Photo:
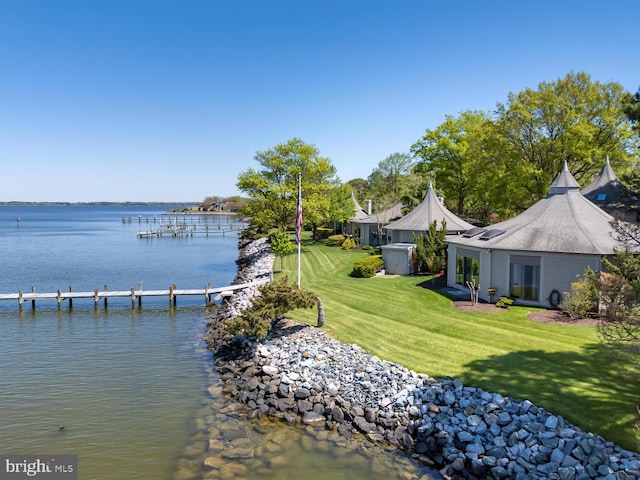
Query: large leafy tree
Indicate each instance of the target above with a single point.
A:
(273, 189)
(572, 119)
(392, 177)
(456, 152)
(632, 110)
(394, 180)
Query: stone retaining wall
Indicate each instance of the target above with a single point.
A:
(302, 375)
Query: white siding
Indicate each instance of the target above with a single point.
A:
(397, 259)
(485, 275)
(500, 273)
(451, 264)
(558, 271)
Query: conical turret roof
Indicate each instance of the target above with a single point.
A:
(359, 213)
(607, 190)
(428, 211)
(564, 222)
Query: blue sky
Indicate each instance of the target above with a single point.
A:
(169, 100)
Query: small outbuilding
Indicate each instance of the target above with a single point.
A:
(535, 256)
(398, 258)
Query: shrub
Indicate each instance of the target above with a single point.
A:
(336, 240)
(275, 300)
(504, 302)
(367, 267)
(349, 243)
(582, 300)
(323, 232)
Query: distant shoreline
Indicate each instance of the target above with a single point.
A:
(14, 203)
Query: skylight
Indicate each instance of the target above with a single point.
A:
(492, 232)
(601, 197)
(472, 232)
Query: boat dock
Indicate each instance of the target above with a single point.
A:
(187, 225)
(210, 294)
(180, 230)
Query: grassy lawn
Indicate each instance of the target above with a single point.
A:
(559, 367)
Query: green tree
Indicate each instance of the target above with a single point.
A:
(573, 119)
(632, 109)
(456, 153)
(273, 190)
(360, 189)
(431, 248)
(276, 299)
(281, 244)
(392, 176)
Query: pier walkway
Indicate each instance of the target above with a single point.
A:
(178, 225)
(210, 294)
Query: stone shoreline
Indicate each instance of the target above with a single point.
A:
(300, 374)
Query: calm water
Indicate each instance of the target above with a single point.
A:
(134, 388)
(124, 382)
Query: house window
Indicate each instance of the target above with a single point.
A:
(467, 270)
(524, 280)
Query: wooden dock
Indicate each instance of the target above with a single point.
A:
(179, 230)
(210, 294)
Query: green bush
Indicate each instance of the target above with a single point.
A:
(367, 267)
(504, 302)
(336, 240)
(276, 299)
(348, 244)
(582, 300)
(323, 232)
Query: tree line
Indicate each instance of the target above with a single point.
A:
(488, 166)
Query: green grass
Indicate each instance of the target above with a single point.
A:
(561, 368)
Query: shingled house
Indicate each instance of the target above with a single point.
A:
(366, 227)
(418, 220)
(535, 256)
(399, 249)
(611, 195)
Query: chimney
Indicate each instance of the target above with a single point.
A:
(367, 207)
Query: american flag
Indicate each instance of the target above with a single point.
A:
(299, 216)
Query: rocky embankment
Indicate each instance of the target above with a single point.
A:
(301, 375)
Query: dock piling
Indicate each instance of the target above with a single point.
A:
(210, 294)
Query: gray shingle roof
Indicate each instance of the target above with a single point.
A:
(382, 217)
(607, 191)
(429, 210)
(564, 221)
(359, 213)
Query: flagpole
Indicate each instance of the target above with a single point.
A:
(299, 223)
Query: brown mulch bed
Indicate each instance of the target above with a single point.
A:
(479, 307)
(558, 317)
(555, 317)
